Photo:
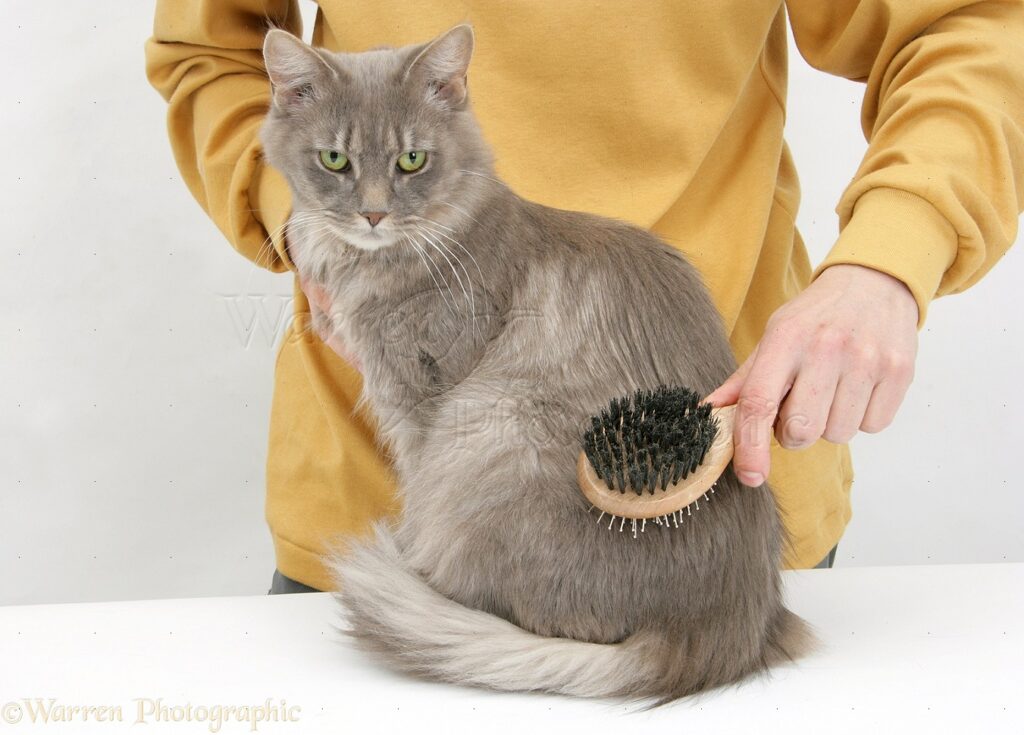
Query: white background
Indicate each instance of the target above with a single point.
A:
(136, 347)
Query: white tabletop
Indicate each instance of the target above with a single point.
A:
(907, 649)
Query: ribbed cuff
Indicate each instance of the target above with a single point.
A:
(898, 233)
(274, 200)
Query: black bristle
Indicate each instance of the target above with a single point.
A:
(650, 440)
(677, 471)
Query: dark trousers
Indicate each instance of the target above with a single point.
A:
(282, 585)
(827, 562)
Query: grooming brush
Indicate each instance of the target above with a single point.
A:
(653, 456)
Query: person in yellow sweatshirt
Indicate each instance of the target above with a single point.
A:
(668, 114)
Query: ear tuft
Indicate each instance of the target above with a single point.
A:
(441, 67)
(295, 69)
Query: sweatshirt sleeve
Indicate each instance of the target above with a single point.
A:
(936, 199)
(205, 58)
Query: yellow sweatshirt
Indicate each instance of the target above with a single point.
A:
(666, 113)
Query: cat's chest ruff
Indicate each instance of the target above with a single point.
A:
(411, 352)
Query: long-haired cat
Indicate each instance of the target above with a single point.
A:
(489, 329)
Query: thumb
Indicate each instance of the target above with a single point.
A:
(729, 392)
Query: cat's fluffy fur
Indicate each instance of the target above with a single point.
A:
(489, 329)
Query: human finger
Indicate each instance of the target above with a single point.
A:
(805, 409)
(848, 407)
(728, 392)
(757, 406)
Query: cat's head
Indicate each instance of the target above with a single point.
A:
(376, 144)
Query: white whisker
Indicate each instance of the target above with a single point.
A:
(471, 296)
(455, 272)
(423, 256)
(267, 246)
(482, 176)
(460, 245)
(461, 211)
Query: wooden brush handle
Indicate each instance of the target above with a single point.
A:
(674, 497)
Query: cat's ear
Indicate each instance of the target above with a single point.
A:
(440, 68)
(296, 70)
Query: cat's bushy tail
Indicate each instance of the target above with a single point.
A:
(394, 613)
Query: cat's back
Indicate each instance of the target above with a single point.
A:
(596, 239)
(607, 289)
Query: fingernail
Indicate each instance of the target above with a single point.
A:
(753, 479)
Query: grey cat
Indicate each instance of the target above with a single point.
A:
(489, 329)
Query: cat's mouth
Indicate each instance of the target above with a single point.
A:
(365, 239)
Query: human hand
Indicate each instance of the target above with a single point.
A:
(836, 358)
(321, 312)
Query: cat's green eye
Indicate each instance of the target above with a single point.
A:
(334, 160)
(412, 161)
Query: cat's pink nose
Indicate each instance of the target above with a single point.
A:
(374, 217)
